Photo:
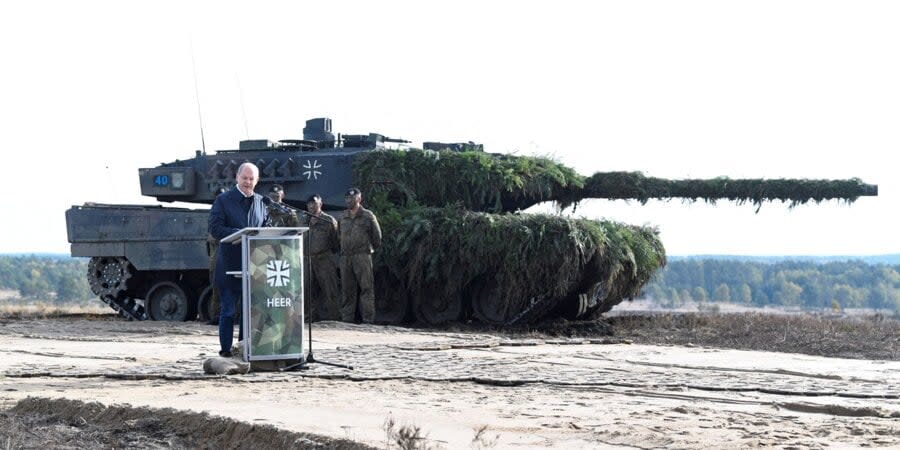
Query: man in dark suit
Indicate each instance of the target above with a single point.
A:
(233, 210)
(213, 246)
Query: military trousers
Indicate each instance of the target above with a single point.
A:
(356, 275)
(327, 305)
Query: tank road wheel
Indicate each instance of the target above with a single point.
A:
(167, 301)
(391, 301)
(490, 310)
(487, 306)
(390, 309)
(108, 276)
(490, 306)
(434, 307)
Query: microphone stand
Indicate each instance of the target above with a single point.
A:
(303, 364)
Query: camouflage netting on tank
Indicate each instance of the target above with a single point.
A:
(509, 268)
(492, 182)
(477, 180)
(637, 186)
(446, 261)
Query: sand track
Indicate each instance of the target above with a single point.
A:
(567, 393)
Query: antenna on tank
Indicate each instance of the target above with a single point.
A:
(243, 111)
(197, 95)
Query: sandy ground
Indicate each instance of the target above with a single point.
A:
(564, 393)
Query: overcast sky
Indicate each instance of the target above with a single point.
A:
(91, 91)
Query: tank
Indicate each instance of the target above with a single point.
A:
(456, 243)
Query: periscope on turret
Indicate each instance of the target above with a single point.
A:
(455, 245)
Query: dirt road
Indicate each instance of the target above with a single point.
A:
(565, 393)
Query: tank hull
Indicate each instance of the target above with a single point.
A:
(146, 261)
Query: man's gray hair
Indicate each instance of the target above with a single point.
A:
(251, 166)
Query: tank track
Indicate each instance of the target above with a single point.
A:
(108, 278)
(126, 307)
(585, 304)
(537, 310)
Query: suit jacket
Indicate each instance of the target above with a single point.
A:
(228, 215)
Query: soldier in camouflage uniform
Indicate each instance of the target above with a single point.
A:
(278, 216)
(360, 236)
(320, 249)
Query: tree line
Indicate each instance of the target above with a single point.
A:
(830, 285)
(46, 277)
(834, 285)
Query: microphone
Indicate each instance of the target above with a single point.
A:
(284, 209)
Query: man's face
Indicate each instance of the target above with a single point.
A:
(314, 207)
(353, 200)
(247, 179)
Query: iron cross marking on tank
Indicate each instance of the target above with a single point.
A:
(311, 172)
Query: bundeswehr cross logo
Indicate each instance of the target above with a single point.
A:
(278, 273)
(312, 171)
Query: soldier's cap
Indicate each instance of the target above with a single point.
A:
(276, 188)
(352, 192)
(314, 198)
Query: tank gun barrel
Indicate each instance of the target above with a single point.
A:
(637, 186)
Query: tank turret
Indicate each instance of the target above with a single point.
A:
(318, 164)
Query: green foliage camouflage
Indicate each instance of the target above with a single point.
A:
(497, 183)
(476, 180)
(509, 268)
(446, 260)
(637, 186)
(454, 248)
